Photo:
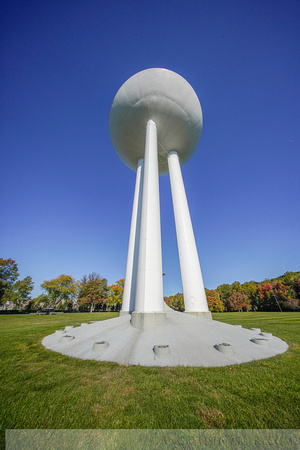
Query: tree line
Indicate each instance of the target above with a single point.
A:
(92, 293)
(277, 294)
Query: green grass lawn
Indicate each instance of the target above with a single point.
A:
(43, 389)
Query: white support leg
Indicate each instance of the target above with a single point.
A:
(192, 283)
(148, 311)
(133, 246)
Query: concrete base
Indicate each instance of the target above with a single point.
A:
(204, 314)
(147, 321)
(183, 340)
(123, 313)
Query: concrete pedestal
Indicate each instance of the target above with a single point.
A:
(147, 321)
(204, 314)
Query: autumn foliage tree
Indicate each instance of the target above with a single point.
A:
(250, 290)
(277, 296)
(296, 288)
(93, 291)
(175, 302)
(238, 302)
(167, 301)
(178, 302)
(214, 301)
(267, 299)
(115, 294)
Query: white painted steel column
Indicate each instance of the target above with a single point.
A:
(133, 246)
(149, 286)
(192, 282)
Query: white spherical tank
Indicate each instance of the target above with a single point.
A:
(170, 101)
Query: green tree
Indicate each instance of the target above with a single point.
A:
(93, 291)
(250, 289)
(8, 276)
(61, 291)
(176, 302)
(225, 292)
(235, 287)
(21, 292)
(115, 294)
(289, 278)
(41, 301)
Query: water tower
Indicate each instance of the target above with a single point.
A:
(155, 125)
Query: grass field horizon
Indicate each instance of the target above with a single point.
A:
(46, 390)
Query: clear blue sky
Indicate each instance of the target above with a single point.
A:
(66, 198)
